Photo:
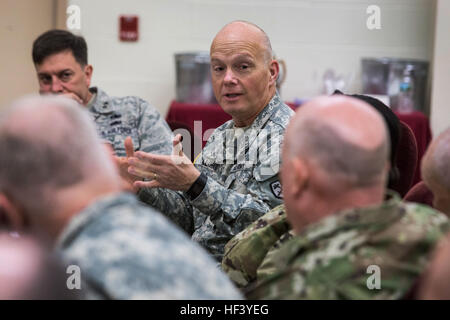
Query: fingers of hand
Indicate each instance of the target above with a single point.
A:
(180, 159)
(142, 165)
(177, 150)
(177, 145)
(154, 159)
(74, 97)
(177, 139)
(147, 184)
(146, 174)
(129, 148)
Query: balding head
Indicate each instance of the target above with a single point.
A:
(436, 171)
(48, 145)
(343, 136)
(336, 151)
(243, 71)
(238, 33)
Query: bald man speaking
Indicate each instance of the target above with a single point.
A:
(235, 179)
(349, 243)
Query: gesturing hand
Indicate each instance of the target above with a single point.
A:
(122, 164)
(73, 96)
(174, 172)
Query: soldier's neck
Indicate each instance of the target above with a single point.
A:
(71, 201)
(320, 206)
(89, 99)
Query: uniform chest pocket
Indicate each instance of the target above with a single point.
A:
(238, 178)
(114, 127)
(119, 141)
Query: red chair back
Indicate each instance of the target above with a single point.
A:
(406, 160)
(420, 194)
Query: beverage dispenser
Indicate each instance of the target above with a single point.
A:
(404, 81)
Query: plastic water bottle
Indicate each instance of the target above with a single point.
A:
(406, 94)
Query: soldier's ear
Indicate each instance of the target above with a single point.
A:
(301, 176)
(274, 69)
(88, 69)
(10, 215)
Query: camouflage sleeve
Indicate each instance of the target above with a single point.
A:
(384, 263)
(155, 259)
(337, 281)
(170, 203)
(300, 274)
(245, 196)
(246, 251)
(154, 133)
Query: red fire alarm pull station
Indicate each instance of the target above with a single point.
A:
(128, 28)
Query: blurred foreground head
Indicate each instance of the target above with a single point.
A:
(335, 157)
(52, 163)
(29, 271)
(434, 284)
(394, 130)
(436, 171)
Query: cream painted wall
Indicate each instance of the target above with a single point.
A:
(310, 35)
(21, 21)
(440, 96)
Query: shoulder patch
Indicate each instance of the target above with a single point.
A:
(276, 189)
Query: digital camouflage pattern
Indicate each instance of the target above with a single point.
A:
(242, 167)
(116, 118)
(330, 259)
(245, 253)
(126, 250)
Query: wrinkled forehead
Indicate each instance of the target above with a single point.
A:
(234, 49)
(238, 39)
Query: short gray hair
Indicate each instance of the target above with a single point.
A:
(46, 143)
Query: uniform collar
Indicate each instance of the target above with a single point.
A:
(259, 123)
(348, 219)
(385, 213)
(101, 103)
(98, 207)
(267, 112)
(223, 138)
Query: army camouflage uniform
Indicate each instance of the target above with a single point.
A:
(245, 253)
(116, 118)
(126, 250)
(337, 257)
(238, 189)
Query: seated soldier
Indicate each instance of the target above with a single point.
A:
(436, 175)
(245, 253)
(234, 181)
(334, 173)
(61, 62)
(58, 178)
